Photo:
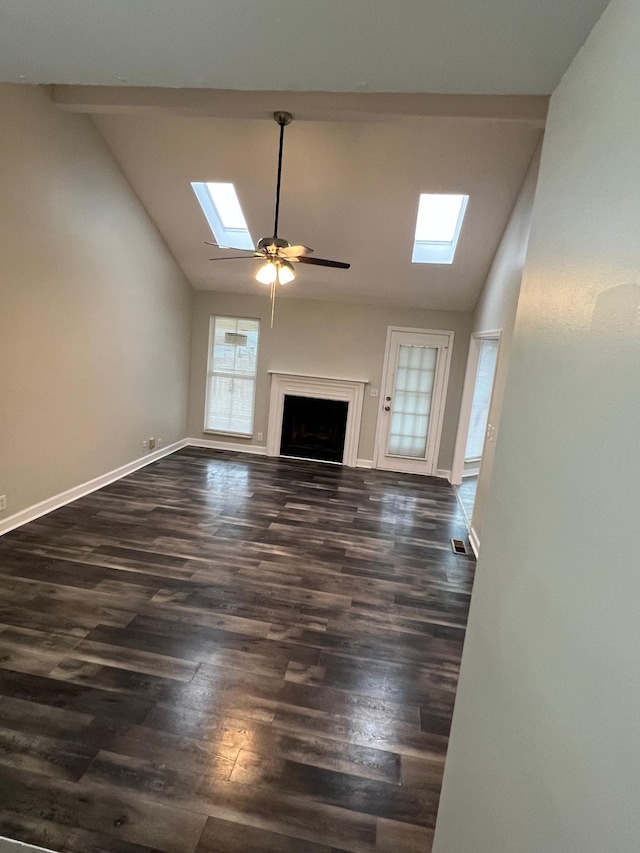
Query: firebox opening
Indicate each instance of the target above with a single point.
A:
(313, 428)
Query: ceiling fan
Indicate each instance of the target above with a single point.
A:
(277, 254)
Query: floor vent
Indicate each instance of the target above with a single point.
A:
(459, 546)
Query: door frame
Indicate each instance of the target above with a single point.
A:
(466, 404)
(380, 431)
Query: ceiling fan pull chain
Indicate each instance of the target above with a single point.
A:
(273, 299)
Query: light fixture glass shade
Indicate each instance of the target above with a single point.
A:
(272, 271)
(286, 273)
(267, 273)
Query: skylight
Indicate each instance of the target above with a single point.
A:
(438, 228)
(222, 210)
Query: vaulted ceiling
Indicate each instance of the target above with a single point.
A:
(355, 163)
(350, 191)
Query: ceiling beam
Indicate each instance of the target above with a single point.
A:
(305, 106)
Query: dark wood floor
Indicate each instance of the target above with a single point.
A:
(226, 654)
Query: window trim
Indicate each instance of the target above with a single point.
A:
(210, 372)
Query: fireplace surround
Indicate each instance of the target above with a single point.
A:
(350, 391)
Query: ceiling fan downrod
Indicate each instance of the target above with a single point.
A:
(283, 119)
(277, 254)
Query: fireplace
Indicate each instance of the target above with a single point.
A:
(319, 395)
(313, 428)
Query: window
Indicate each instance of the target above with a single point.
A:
(221, 207)
(438, 228)
(231, 375)
(481, 398)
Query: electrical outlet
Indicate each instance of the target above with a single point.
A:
(158, 442)
(3, 502)
(144, 444)
(152, 443)
(259, 436)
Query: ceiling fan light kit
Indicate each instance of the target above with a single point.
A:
(278, 254)
(278, 270)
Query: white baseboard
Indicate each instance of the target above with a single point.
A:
(7, 845)
(364, 463)
(443, 473)
(63, 498)
(474, 542)
(257, 449)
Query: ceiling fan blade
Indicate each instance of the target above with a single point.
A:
(323, 262)
(295, 251)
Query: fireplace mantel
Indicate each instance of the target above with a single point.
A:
(320, 388)
(316, 376)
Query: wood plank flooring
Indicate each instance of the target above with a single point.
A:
(225, 653)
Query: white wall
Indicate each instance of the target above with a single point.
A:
(338, 340)
(545, 752)
(496, 310)
(94, 312)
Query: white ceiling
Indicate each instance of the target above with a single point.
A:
(390, 99)
(449, 46)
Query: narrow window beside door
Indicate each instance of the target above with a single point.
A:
(231, 375)
(481, 399)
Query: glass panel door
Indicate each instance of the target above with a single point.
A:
(413, 392)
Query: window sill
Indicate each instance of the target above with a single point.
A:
(246, 435)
